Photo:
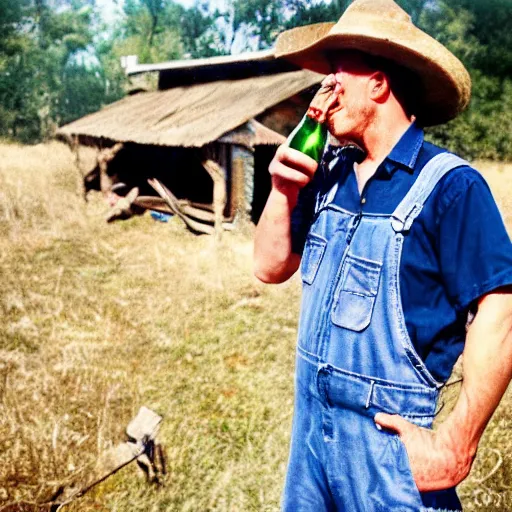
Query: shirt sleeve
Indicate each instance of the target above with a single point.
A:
(474, 247)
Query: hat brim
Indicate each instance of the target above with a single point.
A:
(446, 85)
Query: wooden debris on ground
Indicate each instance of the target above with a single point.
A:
(198, 220)
(141, 447)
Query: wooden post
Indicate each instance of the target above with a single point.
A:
(238, 202)
(74, 145)
(217, 174)
(105, 156)
(76, 151)
(243, 181)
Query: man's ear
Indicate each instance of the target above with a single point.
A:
(379, 87)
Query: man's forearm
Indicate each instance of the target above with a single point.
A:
(442, 458)
(291, 171)
(487, 371)
(274, 261)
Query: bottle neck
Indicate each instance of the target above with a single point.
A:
(309, 122)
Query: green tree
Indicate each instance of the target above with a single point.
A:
(468, 29)
(85, 89)
(11, 15)
(198, 31)
(160, 30)
(263, 18)
(50, 45)
(57, 63)
(305, 13)
(491, 22)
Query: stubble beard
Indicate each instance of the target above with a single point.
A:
(345, 133)
(351, 131)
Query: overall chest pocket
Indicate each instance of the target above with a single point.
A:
(312, 257)
(356, 293)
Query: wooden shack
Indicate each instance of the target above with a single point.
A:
(200, 133)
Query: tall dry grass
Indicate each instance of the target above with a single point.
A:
(38, 188)
(101, 319)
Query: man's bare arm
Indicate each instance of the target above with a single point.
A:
(487, 371)
(291, 170)
(274, 261)
(443, 458)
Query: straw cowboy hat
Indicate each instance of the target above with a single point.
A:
(382, 28)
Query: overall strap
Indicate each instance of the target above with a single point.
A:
(412, 204)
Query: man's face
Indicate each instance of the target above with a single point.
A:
(353, 110)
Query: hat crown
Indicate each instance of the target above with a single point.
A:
(384, 29)
(378, 8)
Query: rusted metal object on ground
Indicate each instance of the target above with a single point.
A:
(141, 447)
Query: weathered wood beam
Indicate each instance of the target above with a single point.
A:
(217, 174)
(173, 203)
(159, 204)
(141, 433)
(124, 208)
(105, 156)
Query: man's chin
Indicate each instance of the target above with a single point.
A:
(343, 138)
(336, 129)
(342, 141)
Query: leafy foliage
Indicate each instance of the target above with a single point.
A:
(467, 27)
(492, 20)
(58, 62)
(48, 43)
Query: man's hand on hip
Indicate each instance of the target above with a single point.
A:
(438, 460)
(443, 458)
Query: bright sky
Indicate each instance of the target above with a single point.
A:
(108, 9)
(111, 7)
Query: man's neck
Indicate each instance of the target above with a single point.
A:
(379, 139)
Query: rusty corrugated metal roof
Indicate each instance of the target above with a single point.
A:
(190, 116)
(201, 63)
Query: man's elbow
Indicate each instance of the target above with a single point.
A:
(495, 311)
(270, 276)
(277, 273)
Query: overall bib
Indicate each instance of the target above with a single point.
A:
(355, 359)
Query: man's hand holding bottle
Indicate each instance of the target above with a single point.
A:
(296, 161)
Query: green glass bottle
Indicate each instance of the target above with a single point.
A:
(309, 137)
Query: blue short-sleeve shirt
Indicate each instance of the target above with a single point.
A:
(457, 250)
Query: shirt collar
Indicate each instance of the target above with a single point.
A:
(405, 153)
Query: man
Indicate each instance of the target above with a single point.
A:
(398, 246)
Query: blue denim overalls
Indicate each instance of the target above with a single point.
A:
(354, 359)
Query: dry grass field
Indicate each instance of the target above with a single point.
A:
(100, 319)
